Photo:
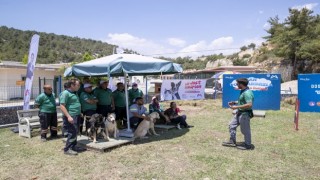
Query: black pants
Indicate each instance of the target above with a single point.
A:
(46, 120)
(121, 113)
(104, 110)
(180, 119)
(135, 120)
(86, 113)
(71, 130)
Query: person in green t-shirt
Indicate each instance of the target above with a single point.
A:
(119, 97)
(242, 117)
(104, 96)
(88, 104)
(134, 92)
(47, 112)
(71, 109)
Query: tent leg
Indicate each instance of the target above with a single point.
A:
(126, 132)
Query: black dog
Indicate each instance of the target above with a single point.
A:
(96, 126)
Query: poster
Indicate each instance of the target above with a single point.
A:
(182, 89)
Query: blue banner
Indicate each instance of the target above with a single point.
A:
(265, 87)
(309, 92)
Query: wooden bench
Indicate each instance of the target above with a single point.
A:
(29, 119)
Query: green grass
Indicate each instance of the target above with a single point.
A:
(280, 151)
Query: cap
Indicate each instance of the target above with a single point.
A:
(87, 85)
(134, 84)
(154, 97)
(103, 81)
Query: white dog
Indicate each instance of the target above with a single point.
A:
(145, 126)
(111, 126)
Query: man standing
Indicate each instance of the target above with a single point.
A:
(119, 96)
(88, 104)
(71, 109)
(105, 99)
(137, 113)
(242, 117)
(134, 92)
(48, 112)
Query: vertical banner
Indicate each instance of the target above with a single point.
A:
(30, 69)
(309, 92)
(182, 89)
(265, 87)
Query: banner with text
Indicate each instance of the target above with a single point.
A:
(30, 69)
(182, 89)
(265, 87)
(309, 92)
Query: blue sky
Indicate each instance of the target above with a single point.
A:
(167, 27)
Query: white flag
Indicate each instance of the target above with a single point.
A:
(30, 69)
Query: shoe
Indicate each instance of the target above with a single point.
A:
(229, 144)
(246, 147)
(43, 140)
(79, 149)
(189, 126)
(178, 126)
(71, 152)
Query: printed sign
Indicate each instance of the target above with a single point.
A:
(309, 92)
(32, 58)
(265, 87)
(182, 89)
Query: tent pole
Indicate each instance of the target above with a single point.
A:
(126, 132)
(127, 102)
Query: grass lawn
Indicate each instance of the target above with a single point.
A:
(280, 151)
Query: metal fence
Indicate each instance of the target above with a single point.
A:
(11, 98)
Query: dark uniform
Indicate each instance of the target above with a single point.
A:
(120, 104)
(87, 108)
(47, 114)
(104, 97)
(73, 106)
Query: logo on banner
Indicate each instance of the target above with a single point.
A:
(255, 84)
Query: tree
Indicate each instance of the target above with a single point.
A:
(296, 38)
(87, 57)
(25, 59)
(252, 46)
(243, 48)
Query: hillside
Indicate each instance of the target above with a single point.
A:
(14, 44)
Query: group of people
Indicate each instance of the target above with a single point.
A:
(74, 102)
(80, 101)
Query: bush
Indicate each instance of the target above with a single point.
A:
(246, 56)
(240, 62)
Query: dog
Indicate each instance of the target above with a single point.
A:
(145, 126)
(111, 125)
(173, 93)
(97, 126)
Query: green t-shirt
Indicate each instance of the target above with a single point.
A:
(71, 102)
(103, 95)
(46, 103)
(119, 98)
(134, 93)
(246, 96)
(84, 104)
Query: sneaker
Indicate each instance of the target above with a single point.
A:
(71, 152)
(178, 126)
(229, 144)
(246, 147)
(78, 149)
